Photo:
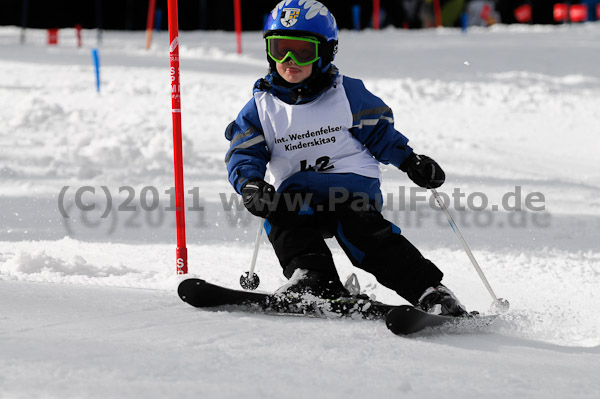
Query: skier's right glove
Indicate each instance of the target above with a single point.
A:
(423, 171)
(258, 197)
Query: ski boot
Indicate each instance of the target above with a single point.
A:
(309, 282)
(439, 300)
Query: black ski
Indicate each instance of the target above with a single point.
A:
(405, 319)
(401, 320)
(202, 294)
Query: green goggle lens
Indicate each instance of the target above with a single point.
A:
(302, 50)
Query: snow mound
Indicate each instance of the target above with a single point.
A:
(38, 265)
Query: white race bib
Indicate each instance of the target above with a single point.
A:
(313, 136)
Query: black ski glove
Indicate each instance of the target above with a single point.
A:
(424, 171)
(258, 197)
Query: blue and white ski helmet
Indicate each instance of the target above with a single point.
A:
(305, 18)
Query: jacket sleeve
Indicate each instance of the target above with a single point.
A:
(373, 124)
(248, 154)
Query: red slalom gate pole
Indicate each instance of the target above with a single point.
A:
(181, 253)
(437, 11)
(376, 14)
(150, 22)
(78, 34)
(237, 16)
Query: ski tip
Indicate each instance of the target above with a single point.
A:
(184, 287)
(406, 320)
(395, 319)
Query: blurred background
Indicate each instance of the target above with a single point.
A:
(350, 14)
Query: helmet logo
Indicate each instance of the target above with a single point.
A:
(289, 17)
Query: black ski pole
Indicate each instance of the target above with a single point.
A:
(250, 280)
(499, 304)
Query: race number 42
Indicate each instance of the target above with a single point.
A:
(321, 165)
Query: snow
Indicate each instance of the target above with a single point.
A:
(87, 303)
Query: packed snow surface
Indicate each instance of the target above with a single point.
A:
(88, 307)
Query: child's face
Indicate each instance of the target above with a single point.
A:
(293, 73)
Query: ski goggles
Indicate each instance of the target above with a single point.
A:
(303, 50)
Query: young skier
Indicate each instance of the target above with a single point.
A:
(323, 135)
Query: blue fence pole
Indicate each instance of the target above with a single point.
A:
(157, 19)
(96, 60)
(356, 16)
(464, 22)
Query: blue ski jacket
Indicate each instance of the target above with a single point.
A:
(372, 126)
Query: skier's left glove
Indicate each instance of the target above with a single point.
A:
(258, 197)
(424, 171)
